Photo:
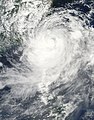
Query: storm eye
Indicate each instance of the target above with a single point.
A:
(48, 49)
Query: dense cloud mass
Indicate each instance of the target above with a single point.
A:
(46, 60)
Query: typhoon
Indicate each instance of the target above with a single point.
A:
(46, 60)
